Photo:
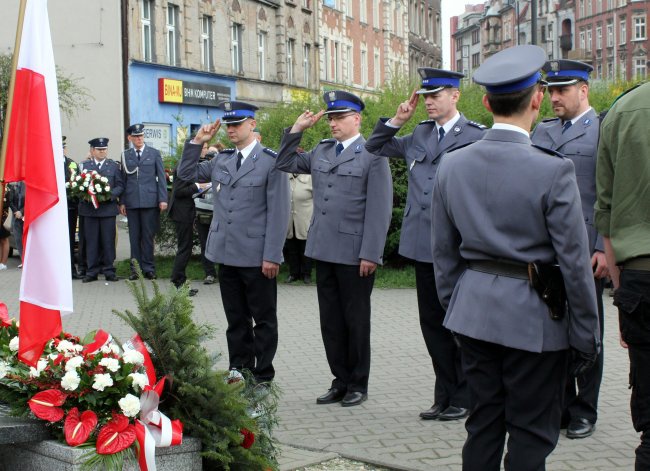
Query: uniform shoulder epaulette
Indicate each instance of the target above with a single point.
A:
(325, 141)
(550, 120)
(454, 149)
(476, 125)
(228, 151)
(427, 121)
(271, 152)
(549, 151)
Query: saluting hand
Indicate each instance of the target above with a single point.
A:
(306, 120)
(206, 132)
(405, 110)
(367, 268)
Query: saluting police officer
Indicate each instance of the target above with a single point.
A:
(144, 197)
(575, 134)
(352, 207)
(501, 204)
(99, 223)
(422, 150)
(249, 223)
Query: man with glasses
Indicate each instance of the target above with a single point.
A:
(574, 133)
(249, 223)
(352, 207)
(446, 129)
(509, 238)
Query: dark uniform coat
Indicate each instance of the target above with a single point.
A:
(111, 170)
(145, 182)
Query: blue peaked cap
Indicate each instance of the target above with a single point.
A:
(511, 70)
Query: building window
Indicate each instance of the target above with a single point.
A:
(147, 30)
(349, 72)
(542, 34)
(476, 36)
(610, 34)
(599, 37)
(640, 68)
(172, 34)
(206, 42)
(610, 4)
(236, 48)
(261, 53)
(290, 51)
(327, 58)
(582, 8)
(623, 71)
(375, 14)
(364, 68)
(459, 65)
(306, 4)
(582, 40)
(610, 70)
(459, 43)
(590, 8)
(375, 65)
(306, 65)
(363, 11)
(476, 60)
(599, 71)
(622, 35)
(639, 27)
(337, 61)
(348, 8)
(589, 39)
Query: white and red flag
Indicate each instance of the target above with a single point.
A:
(35, 155)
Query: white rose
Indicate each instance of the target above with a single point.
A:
(13, 345)
(65, 346)
(102, 381)
(77, 178)
(108, 188)
(54, 356)
(115, 349)
(36, 372)
(67, 184)
(111, 363)
(74, 185)
(139, 381)
(171, 178)
(74, 363)
(98, 189)
(133, 356)
(70, 380)
(86, 184)
(78, 347)
(106, 349)
(104, 179)
(4, 369)
(130, 405)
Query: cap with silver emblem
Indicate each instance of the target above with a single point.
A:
(339, 101)
(511, 70)
(99, 142)
(135, 130)
(434, 80)
(236, 111)
(566, 72)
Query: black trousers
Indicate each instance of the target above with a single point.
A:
(248, 296)
(203, 230)
(450, 387)
(184, 232)
(344, 304)
(99, 236)
(583, 401)
(633, 301)
(294, 254)
(72, 230)
(82, 261)
(512, 391)
(143, 225)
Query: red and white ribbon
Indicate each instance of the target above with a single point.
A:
(136, 343)
(102, 338)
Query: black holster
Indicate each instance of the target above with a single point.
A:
(547, 280)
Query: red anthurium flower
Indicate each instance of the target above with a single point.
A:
(4, 316)
(45, 405)
(249, 438)
(78, 427)
(115, 436)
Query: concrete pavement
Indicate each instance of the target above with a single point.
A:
(385, 430)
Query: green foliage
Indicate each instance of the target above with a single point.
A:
(210, 408)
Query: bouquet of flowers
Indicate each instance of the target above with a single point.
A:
(90, 186)
(92, 393)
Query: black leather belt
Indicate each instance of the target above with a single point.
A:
(504, 268)
(637, 263)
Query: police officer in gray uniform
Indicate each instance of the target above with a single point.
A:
(508, 222)
(575, 133)
(145, 195)
(251, 214)
(352, 207)
(445, 130)
(99, 223)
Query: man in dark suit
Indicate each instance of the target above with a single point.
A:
(99, 222)
(181, 211)
(353, 196)
(145, 195)
(70, 166)
(575, 133)
(422, 151)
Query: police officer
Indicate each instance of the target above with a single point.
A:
(99, 222)
(574, 133)
(445, 130)
(251, 213)
(353, 195)
(70, 167)
(145, 195)
(500, 204)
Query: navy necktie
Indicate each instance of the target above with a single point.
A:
(566, 126)
(239, 159)
(339, 148)
(441, 133)
(138, 154)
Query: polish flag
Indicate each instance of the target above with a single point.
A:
(35, 155)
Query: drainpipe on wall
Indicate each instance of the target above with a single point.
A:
(124, 20)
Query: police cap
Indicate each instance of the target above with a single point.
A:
(339, 101)
(511, 70)
(99, 142)
(566, 72)
(236, 111)
(135, 130)
(434, 80)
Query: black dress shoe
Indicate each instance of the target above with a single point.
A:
(291, 278)
(580, 428)
(133, 277)
(331, 396)
(353, 398)
(150, 275)
(112, 278)
(453, 413)
(88, 279)
(306, 279)
(433, 412)
(192, 292)
(76, 276)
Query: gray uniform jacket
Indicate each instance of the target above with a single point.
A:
(353, 198)
(146, 187)
(580, 144)
(421, 151)
(111, 170)
(251, 205)
(502, 198)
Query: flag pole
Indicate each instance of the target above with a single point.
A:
(10, 99)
